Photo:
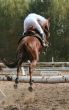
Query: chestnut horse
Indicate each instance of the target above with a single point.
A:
(29, 48)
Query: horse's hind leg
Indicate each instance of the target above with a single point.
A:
(30, 73)
(31, 66)
(18, 68)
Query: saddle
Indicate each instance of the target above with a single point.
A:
(34, 32)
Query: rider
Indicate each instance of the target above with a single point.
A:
(38, 22)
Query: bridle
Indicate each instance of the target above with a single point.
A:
(47, 34)
(47, 31)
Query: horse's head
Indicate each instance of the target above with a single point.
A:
(46, 28)
(47, 24)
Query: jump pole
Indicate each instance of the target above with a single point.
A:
(38, 79)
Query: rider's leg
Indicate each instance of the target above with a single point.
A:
(38, 27)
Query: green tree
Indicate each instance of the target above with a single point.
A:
(11, 25)
(12, 13)
(58, 11)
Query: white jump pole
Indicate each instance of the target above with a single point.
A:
(38, 79)
(23, 71)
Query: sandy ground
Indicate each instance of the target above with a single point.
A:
(43, 96)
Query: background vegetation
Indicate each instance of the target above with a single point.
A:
(12, 14)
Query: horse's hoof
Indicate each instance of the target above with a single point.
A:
(9, 78)
(31, 83)
(15, 86)
(30, 89)
(16, 81)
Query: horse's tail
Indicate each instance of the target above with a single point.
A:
(10, 65)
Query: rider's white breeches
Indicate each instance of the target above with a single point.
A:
(31, 22)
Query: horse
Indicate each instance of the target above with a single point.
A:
(29, 48)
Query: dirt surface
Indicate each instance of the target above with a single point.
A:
(43, 96)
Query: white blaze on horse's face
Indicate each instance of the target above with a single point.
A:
(47, 24)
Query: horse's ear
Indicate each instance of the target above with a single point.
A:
(49, 19)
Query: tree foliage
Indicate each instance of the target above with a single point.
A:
(11, 24)
(12, 13)
(58, 11)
